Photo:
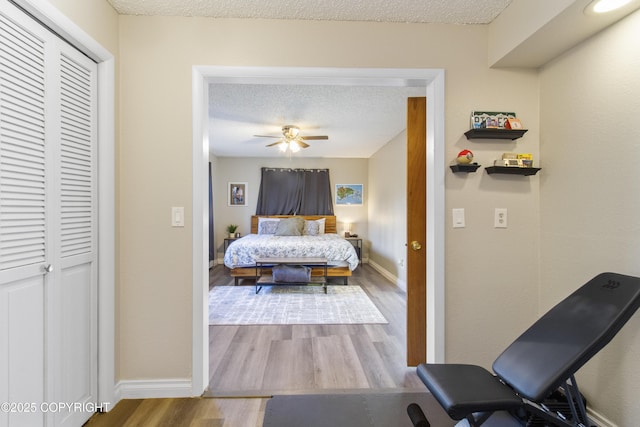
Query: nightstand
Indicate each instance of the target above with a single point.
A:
(357, 243)
(227, 242)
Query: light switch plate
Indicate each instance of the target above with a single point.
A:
(458, 218)
(177, 216)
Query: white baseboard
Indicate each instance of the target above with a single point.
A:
(149, 389)
(388, 275)
(598, 419)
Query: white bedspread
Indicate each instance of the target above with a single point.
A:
(244, 251)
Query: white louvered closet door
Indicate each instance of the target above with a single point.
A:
(48, 223)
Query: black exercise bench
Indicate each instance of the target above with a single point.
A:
(542, 360)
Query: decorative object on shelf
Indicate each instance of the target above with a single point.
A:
(513, 123)
(349, 194)
(495, 125)
(464, 157)
(490, 119)
(472, 167)
(231, 229)
(514, 160)
(237, 193)
(464, 162)
(514, 164)
(525, 160)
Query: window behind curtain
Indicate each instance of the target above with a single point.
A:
(295, 192)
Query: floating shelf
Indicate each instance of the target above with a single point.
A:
(465, 168)
(511, 170)
(484, 133)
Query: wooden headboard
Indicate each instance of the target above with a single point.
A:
(329, 225)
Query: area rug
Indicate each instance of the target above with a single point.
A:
(286, 305)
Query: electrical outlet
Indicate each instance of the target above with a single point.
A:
(500, 218)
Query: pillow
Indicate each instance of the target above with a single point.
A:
(290, 227)
(321, 225)
(262, 219)
(268, 227)
(311, 228)
(291, 273)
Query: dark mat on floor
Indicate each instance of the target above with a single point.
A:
(351, 410)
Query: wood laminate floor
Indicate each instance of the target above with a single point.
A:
(285, 359)
(248, 364)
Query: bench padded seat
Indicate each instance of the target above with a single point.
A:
(462, 389)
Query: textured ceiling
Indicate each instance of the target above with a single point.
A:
(358, 120)
(433, 11)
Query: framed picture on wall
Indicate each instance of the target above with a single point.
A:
(237, 193)
(349, 194)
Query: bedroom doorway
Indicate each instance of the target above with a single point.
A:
(433, 81)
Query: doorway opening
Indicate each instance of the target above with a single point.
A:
(432, 79)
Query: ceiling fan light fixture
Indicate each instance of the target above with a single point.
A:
(289, 146)
(291, 141)
(290, 132)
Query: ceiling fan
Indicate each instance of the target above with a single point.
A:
(291, 139)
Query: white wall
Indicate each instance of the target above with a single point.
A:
(341, 171)
(590, 195)
(388, 209)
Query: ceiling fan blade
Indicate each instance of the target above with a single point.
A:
(301, 143)
(274, 144)
(267, 136)
(314, 137)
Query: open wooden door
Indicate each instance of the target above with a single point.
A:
(416, 231)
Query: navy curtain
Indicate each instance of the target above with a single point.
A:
(316, 193)
(294, 192)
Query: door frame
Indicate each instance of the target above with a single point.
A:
(432, 79)
(74, 35)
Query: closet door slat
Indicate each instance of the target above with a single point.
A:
(77, 158)
(22, 136)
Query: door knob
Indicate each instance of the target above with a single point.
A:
(415, 245)
(48, 268)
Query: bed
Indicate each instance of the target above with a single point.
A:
(319, 239)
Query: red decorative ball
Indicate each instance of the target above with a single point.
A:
(465, 157)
